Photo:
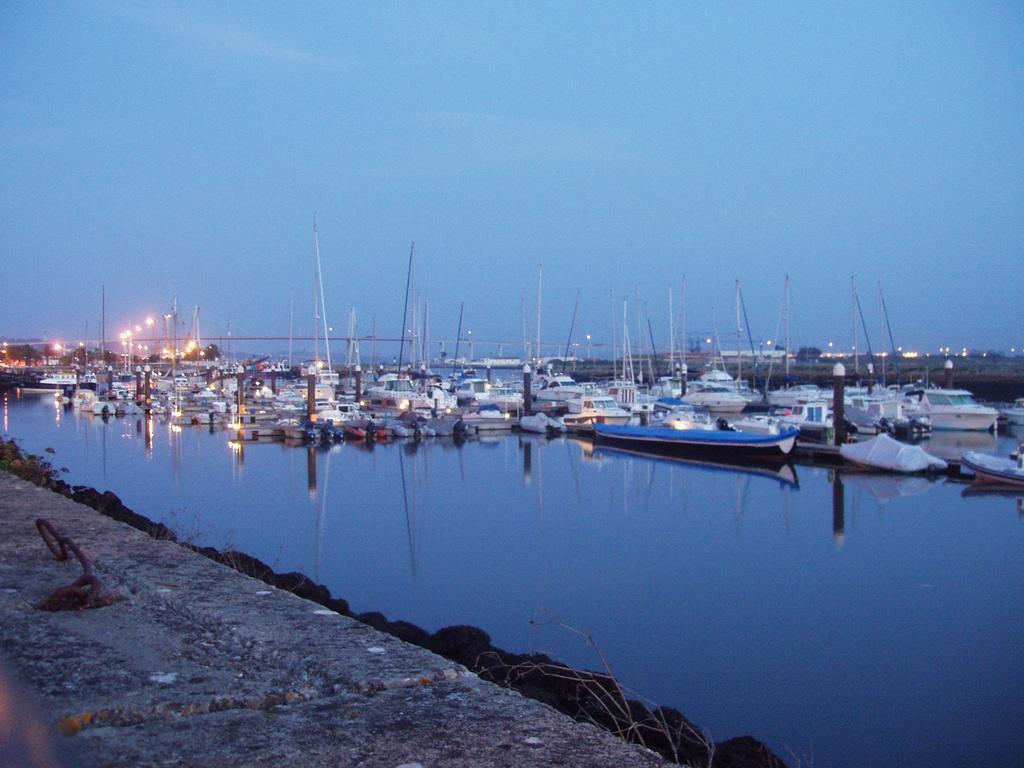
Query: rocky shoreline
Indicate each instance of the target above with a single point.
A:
(586, 696)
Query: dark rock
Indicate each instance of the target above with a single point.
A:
(461, 643)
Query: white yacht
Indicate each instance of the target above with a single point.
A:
(951, 409)
(716, 398)
(588, 410)
(1015, 413)
(788, 397)
(556, 388)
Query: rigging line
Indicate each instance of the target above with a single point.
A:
(405, 308)
(892, 341)
(864, 325)
(572, 327)
(750, 338)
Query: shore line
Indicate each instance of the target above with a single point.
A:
(588, 697)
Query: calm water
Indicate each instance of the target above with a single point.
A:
(877, 623)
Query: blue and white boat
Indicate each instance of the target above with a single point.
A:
(995, 470)
(699, 441)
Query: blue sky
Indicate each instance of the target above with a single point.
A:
(162, 149)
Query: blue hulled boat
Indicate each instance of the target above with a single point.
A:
(717, 442)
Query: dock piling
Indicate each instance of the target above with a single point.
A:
(838, 411)
(527, 399)
(948, 369)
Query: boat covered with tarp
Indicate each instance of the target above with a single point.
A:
(883, 452)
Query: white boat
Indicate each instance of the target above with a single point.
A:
(790, 396)
(556, 388)
(951, 409)
(1015, 413)
(587, 410)
(758, 424)
(716, 398)
(60, 381)
(489, 418)
(883, 452)
(506, 397)
(392, 391)
(812, 417)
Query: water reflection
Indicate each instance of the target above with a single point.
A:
(706, 589)
(784, 473)
(838, 509)
(884, 488)
(952, 444)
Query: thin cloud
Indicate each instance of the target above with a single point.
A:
(217, 35)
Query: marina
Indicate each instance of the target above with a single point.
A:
(597, 536)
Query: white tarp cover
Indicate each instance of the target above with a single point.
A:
(885, 453)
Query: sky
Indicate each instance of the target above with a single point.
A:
(153, 150)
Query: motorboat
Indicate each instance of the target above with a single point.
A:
(758, 424)
(556, 388)
(62, 381)
(701, 441)
(506, 397)
(472, 391)
(995, 470)
(790, 396)
(587, 410)
(1015, 413)
(812, 417)
(716, 398)
(953, 409)
(488, 418)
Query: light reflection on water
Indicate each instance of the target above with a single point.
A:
(864, 619)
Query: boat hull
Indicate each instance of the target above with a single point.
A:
(990, 470)
(698, 441)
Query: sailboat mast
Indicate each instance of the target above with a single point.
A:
(682, 341)
(853, 322)
(785, 309)
(103, 325)
(323, 304)
(540, 280)
(316, 300)
(291, 323)
(739, 356)
(671, 333)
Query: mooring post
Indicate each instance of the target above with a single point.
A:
(138, 384)
(838, 393)
(210, 375)
(490, 376)
(527, 401)
(682, 378)
(311, 394)
(871, 378)
(948, 366)
(146, 387)
(240, 383)
(359, 384)
(110, 382)
(273, 382)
